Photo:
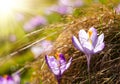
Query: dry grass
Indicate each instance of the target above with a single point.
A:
(105, 66)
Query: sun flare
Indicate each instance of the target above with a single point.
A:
(8, 10)
(9, 6)
(6, 6)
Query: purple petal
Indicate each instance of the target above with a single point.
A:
(38, 20)
(62, 58)
(69, 62)
(53, 64)
(83, 37)
(34, 22)
(46, 45)
(78, 3)
(93, 36)
(77, 44)
(16, 78)
(51, 9)
(99, 47)
(71, 3)
(19, 17)
(65, 66)
(10, 80)
(28, 27)
(100, 39)
(37, 51)
(12, 38)
(62, 63)
(65, 2)
(88, 48)
(61, 9)
(117, 9)
(1, 80)
(62, 68)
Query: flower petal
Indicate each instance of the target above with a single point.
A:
(16, 78)
(62, 63)
(88, 48)
(62, 68)
(10, 80)
(53, 64)
(77, 44)
(99, 47)
(100, 40)
(65, 66)
(1, 80)
(83, 36)
(69, 62)
(62, 59)
(92, 32)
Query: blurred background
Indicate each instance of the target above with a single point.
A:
(29, 28)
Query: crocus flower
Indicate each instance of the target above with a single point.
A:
(71, 3)
(117, 9)
(61, 9)
(89, 43)
(57, 65)
(34, 22)
(44, 46)
(15, 79)
(19, 17)
(12, 38)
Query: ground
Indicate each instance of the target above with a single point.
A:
(105, 66)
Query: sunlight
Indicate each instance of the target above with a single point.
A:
(8, 10)
(8, 6)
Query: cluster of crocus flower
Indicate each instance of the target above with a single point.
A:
(64, 6)
(57, 64)
(89, 43)
(34, 22)
(44, 46)
(14, 79)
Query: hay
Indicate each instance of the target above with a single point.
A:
(105, 66)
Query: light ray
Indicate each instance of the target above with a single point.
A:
(8, 9)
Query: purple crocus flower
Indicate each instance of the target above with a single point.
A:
(58, 64)
(89, 43)
(15, 79)
(19, 17)
(61, 9)
(44, 46)
(12, 38)
(71, 3)
(117, 9)
(34, 22)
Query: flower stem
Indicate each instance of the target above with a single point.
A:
(89, 77)
(88, 64)
(58, 81)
